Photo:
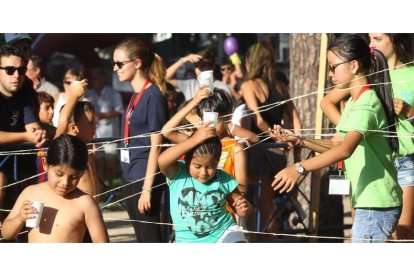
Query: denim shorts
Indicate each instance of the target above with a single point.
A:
(405, 168)
(374, 224)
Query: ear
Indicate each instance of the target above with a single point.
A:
(44, 163)
(73, 129)
(138, 63)
(355, 67)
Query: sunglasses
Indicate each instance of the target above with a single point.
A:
(120, 64)
(11, 69)
(333, 67)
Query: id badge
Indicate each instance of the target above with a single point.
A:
(223, 159)
(339, 185)
(125, 156)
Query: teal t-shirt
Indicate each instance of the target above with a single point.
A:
(403, 88)
(198, 210)
(370, 168)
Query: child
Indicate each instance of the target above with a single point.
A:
(78, 119)
(375, 193)
(67, 211)
(198, 191)
(46, 111)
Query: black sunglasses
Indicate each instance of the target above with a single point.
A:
(11, 69)
(120, 64)
(333, 67)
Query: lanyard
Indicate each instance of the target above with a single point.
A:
(363, 89)
(129, 111)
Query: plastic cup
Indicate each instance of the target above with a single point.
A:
(206, 78)
(210, 117)
(34, 222)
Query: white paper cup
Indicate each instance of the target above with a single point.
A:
(34, 222)
(210, 117)
(206, 78)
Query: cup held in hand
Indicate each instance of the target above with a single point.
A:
(34, 222)
(210, 117)
(206, 78)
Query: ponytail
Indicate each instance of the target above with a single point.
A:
(379, 74)
(157, 74)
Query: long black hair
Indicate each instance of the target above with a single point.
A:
(219, 101)
(68, 150)
(352, 47)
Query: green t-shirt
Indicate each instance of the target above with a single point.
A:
(403, 88)
(198, 210)
(370, 168)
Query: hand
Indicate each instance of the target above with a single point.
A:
(144, 202)
(27, 211)
(241, 204)
(79, 88)
(282, 135)
(203, 133)
(36, 137)
(203, 93)
(401, 108)
(286, 179)
(193, 58)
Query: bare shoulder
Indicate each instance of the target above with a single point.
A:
(82, 198)
(247, 84)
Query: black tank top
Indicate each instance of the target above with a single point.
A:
(275, 113)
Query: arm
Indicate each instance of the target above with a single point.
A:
(240, 168)
(167, 160)
(15, 221)
(94, 222)
(174, 135)
(286, 179)
(66, 113)
(193, 58)
(243, 133)
(144, 202)
(329, 104)
(239, 203)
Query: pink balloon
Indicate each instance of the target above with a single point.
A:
(230, 45)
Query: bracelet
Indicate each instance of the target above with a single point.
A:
(146, 190)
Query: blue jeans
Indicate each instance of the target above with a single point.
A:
(405, 168)
(374, 224)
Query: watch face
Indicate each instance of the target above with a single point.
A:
(300, 169)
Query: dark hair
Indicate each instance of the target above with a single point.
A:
(403, 47)
(206, 62)
(352, 47)
(152, 64)
(220, 101)
(45, 98)
(80, 109)
(7, 50)
(99, 71)
(37, 61)
(68, 150)
(77, 74)
(211, 146)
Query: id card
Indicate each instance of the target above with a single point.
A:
(339, 185)
(125, 156)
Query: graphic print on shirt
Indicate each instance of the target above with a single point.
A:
(201, 211)
(14, 118)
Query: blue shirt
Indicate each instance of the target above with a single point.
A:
(150, 114)
(198, 210)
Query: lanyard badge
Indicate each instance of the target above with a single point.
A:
(338, 184)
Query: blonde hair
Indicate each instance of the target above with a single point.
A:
(152, 64)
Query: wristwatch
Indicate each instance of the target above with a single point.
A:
(301, 170)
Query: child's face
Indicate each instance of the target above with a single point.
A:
(340, 70)
(63, 179)
(86, 126)
(46, 113)
(203, 167)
